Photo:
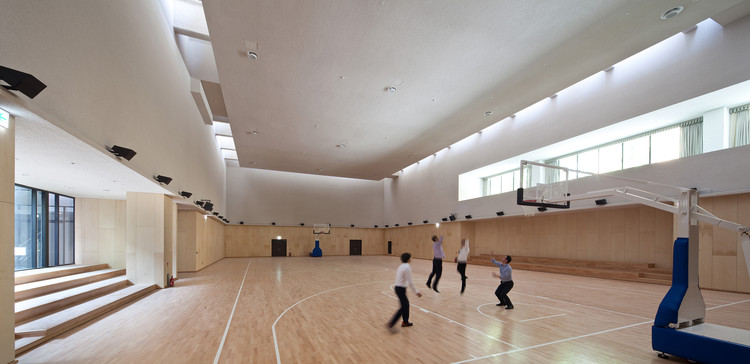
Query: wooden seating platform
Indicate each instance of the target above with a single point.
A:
(637, 272)
(51, 301)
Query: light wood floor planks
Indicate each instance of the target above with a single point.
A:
(333, 310)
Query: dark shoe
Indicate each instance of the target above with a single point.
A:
(428, 285)
(510, 307)
(500, 304)
(406, 324)
(435, 289)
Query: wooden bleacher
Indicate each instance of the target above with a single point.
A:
(636, 272)
(51, 301)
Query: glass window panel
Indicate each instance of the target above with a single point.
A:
(635, 152)
(665, 145)
(507, 181)
(52, 230)
(39, 236)
(570, 162)
(588, 162)
(610, 158)
(24, 229)
(67, 230)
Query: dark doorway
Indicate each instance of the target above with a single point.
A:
(389, 247)
(278, 247)
(355, 247)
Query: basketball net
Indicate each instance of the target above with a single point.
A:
(529, 210)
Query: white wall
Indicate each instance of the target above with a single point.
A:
(114, 75)
(696, 63)
(259, 197)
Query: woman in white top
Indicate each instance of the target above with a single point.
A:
(463, 254)
(403, 279)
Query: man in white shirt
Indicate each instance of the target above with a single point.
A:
(403, 280)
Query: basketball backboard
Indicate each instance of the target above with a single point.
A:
(543, 185)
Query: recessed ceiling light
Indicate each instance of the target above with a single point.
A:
(671, 13)
(253, 132)
(391, 89)
(342, 145)
(487, 113)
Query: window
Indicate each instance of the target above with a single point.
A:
(44, 229)
(635, 152)
(665, 145)
(610, 158)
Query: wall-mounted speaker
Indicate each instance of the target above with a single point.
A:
(424, 221)
(21, 81)
(163, 179)
(445, 219)
(468, 217)
(452, 217)
(601, 202)
(410, 223)
(542, 208)
(122, 152)
(500, 213)
(208, 206)
(185, 194)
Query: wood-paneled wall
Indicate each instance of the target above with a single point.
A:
(722, 261)
(100, 232)
(620, 234)
(7, 226)
(255, 241)
(200, 241)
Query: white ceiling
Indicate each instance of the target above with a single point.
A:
(323, 68)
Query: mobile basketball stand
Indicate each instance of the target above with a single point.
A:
(317, 230)
(679, 328)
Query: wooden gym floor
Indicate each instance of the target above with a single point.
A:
(334, 310)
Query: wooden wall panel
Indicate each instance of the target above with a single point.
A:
(255, 241)
(743, 217)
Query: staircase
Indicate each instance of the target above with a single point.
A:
(50, 301)
(636, 272)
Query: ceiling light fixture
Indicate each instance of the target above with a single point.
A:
(671, 13)
(391, 89)
(253, 132)
(252, 55)
(487, 113)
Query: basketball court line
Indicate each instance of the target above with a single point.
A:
(273, 327)
(585, 306)
(551, 343)
(455, 322)
(229, 322)
(543, 317)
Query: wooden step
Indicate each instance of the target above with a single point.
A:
(33, 275)
(638, 272)
(36, 307)
(52, 325)
(39, 288)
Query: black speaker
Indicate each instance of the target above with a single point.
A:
(425, 221)
(352, 225)
(199, 203)
(452, 218)
(208, 206)
(185, 194)
(500, 213)
(302, 224)
(273, 223)
(163, 179)
(542, 208)
(409, 223)
(20, 81)
(385, 226)
(242, 223)
(376, 226)
(468, 217)
(601, 202)
(122, 152)
(396, 225)
(216, 213)
(445, 219)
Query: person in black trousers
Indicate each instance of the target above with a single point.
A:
(506, 280)
(437, 262)
(403, 280)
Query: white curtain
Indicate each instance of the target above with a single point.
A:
(691, 138)
(739, 126)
